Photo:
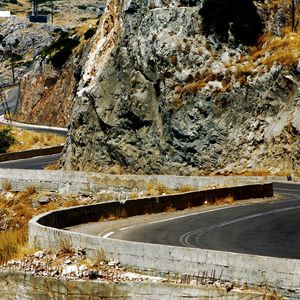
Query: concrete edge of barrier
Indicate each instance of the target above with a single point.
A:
(31, 153)
(45, 232)
(14, 284)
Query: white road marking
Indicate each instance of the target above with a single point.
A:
(276, 189)
(108, 235)
(184, 238)
(194, 214)
(125, 228)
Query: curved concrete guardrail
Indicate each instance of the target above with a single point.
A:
(45, 231)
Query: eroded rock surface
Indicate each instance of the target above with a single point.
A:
(157, 96)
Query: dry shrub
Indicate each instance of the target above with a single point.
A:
(100, 256)
(30, 190)
(120, 213)
(134, 195)
(6, 185)
(11, 242)
(256, 172)
(173, 59)
(154, 188)
(170, 209)
(71, 202)
(116, 169)
(193, 87)
(226, 200)
(24, 212)
(275, 50)
(52, 167)
(186, 188)
(65, 245)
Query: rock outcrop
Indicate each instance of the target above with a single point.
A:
(47, 94)
(158, 96)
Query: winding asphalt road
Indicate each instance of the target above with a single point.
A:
(266, 228)
(37, 163)
(34, 163)
(12, 102)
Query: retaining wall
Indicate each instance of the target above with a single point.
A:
(148, 205)
(31, 153)
(20, 285)
(283, 273)
(83, 182)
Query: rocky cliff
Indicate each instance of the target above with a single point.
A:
(157, 95)
(47, 89)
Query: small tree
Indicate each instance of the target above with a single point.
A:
(6, 139)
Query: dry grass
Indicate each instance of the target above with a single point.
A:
(65, 246)
(11, 243)
(154, 188)
(6, 185)
(226, 200)
(170, 209)
(265, 172)
(284, 51)
(27, 140)
(115, 169)
(30, 190)
(120, 213)
(186, 188)
(53, 167)
(100, 256)
(71, 202)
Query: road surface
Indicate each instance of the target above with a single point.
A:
(34, 163)
(37, 163)
(12, 102)
(265, 228)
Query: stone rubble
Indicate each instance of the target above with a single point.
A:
(75, 265)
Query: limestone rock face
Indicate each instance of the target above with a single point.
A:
(154, 98)
(47, 94)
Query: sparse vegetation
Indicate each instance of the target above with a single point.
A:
(26, 140)
(71, 202)
(226, 200)
(6, 139)
(11, 243)
(65, 245)
(30, 190)
(6, 185)
(154, 188)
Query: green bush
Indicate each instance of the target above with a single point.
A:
(6, 139)
(240, 16)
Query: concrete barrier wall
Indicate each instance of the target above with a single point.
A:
(30, 153)
(83, 182)
(148, 205)
(284, 273)
(21, 285)
(254, 270)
